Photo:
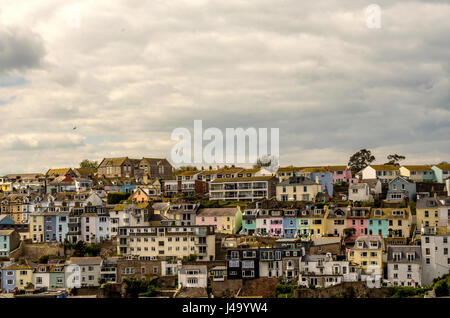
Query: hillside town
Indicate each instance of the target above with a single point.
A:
(126, 227)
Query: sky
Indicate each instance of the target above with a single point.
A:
(125, 74)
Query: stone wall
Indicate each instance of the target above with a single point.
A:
(36, 250)
(227, 288)
(344, 290)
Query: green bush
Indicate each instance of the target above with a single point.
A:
(284, 290)
(116, 197)
(190, 258)
(405, 292)
(137, 288)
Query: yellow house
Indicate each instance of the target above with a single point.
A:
(367, 253)
(427, 213)
(336, 220)
(37, 228)
(284, 173)
(6, 187)
(318, 222)
(399, 222)
(226, 220)
(12, 205)
(24, 276)
(297, 189)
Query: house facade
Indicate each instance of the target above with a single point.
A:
(242, 189)
(417, 173)
(404, 265)
(297, 189)
(401, 189)
(383, 172)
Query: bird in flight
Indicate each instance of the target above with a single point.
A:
(75, 127)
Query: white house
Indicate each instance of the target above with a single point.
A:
(435, 244)
(192, 276)
(404, 265)
(383, 172)
(359, 192)
(324, 271)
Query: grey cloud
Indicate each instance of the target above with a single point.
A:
(20, 49)
(134, 71)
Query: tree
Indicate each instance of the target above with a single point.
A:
(394, 159)
(185, 168)
(88, 164)
(116, 197)
(360, 160)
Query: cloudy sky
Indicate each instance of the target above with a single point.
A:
(125, 74)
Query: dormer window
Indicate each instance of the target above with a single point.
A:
(374, 244)
(410, 256)
(397, 256)
(378, 213)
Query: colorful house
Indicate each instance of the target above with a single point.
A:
(427, 213)
(18, 276)
(357, 222)
(336, 220)
(290, 223)
(249, 221)
(317, 219)
(378, 223)
(342, 174)
(441, 171)
(226, 220)
(401, 189)
(367, 253)
(383, 172)
(418, 172)
(276, 223)
(324, 178)
(9, 241)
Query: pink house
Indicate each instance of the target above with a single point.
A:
(359, 226)
(209, 220)
(357, 220)
(276, 226)
(342, 174)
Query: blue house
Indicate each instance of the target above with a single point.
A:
(9, 241)
(401, 189)
(62, 220)
(325, 179)
(378, 227)
(50, 228)
(8, 280)
(441, 171)
(290, 224)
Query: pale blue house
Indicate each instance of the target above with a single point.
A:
(441, 172)
(401, 189)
